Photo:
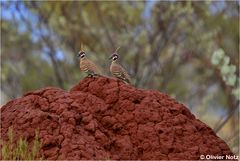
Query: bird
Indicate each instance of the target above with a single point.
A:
(117, 70)
(87, 65)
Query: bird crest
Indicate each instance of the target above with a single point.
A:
(81, 53)
(81, 47)
(117, 49)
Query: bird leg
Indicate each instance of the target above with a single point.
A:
(91, 75)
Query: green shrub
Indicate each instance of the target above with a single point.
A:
(20, 150)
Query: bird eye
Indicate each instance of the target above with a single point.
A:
(115, 57)
(82, 55)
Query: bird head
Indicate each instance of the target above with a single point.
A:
(81, 53)
(114, 56)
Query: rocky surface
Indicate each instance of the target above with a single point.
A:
(102, 118)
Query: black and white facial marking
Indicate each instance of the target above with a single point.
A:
(114, 57)
(81, 54)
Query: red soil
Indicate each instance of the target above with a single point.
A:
(101, 118)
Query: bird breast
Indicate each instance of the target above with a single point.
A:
(84, 65)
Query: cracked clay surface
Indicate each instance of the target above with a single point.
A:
(102, 118)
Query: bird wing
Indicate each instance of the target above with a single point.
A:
(119, 70)
(93, 67)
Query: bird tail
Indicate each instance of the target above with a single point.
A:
(128, 81)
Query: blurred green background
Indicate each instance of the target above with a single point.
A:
(189, 50)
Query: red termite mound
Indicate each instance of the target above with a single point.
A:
(102, 118)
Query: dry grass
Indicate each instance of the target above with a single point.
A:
(21, 149)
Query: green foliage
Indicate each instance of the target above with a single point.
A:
(21, 149)
(217, 56)
(222, 62)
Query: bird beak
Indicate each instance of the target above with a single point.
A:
(110, 57)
